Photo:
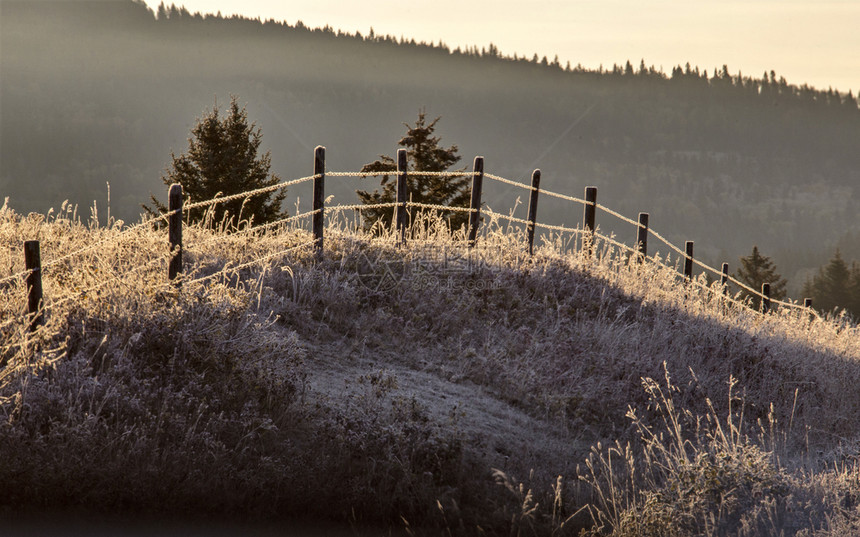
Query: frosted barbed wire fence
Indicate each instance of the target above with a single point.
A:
(361, 206)
(433, 207)
(246, 194)
(637, 225)
(13, 277)
(55, 301)
(124, 234)
(155, 219)
(394, 172)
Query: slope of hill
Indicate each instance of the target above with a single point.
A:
(426, 384)
(96, 92)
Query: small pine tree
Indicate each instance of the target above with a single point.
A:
(222, 159)
(424, 154)
(757, 269)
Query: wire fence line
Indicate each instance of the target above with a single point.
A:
(16, 276)
(463, 173)
(255, 261)
(247, 194)
(251, 229)
(117, 278)
(637, 225)
(151, 220)
(65, 298)
(362, 207)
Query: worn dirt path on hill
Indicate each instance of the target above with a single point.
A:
(493, 427)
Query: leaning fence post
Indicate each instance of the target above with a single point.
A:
(475, 205)
(642, 236)
(588, 212)
(533, 201)
(724, 278)
(319, 197)
(33, 263)
(688, 260)
(174, 233)
(400, 209)
(765, 299)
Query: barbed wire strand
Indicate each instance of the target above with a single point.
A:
(530, 188)
(564, 229)
(507, 181)
(235, 268)
(117, 278)
(490, 212)
(121, 235)
(439, 207)
(163, 216)
(621, 216)
(194, 245)
(361, 206)
(23, 273)
(247, 193)
(395, 172)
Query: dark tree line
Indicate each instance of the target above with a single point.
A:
(835, 287)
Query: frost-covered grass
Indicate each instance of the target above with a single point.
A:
(287, 388)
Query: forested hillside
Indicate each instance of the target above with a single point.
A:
(96, 92)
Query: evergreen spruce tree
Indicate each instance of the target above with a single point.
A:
(222, 159)
(831, 288)
(757, 269)
(424, 154)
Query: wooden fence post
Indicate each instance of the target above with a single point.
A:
(174, 233)
(33, 263)
(688, 260)
(533, 201)
(724, 278)
(319, 198)
(588, 212)
(765, 300)
(400, 209)
(475, 205)
(807, 303)
(642, 236)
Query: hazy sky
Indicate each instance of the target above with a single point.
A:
(817, 42)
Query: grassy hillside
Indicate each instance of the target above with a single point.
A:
(424, 385)
(96, 92)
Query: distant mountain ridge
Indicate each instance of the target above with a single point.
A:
(103, 91)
